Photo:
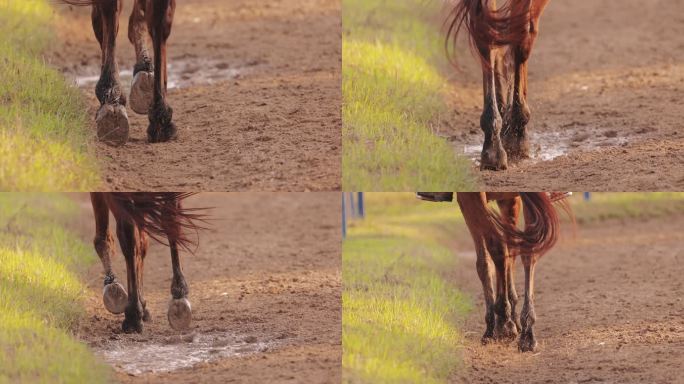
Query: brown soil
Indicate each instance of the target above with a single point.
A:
(609, 310)
(273, 126)
(268, 270)
(607, 78)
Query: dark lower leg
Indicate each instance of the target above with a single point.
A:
(142, 251)
(528, 317)
(128, 239)
(160, 19)
(106, 26)
(137, 34)
(510, 211)
(518, 116)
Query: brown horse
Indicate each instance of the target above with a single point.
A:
(139, 215)
(498, 241)
(503, 37)
(148, 90)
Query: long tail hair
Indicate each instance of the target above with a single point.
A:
(542, 224)
(487, 26)
(160, 214)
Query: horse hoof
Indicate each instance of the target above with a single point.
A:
(527, 344)
(115, 298)
(180, 314)
(162, 135)
(132, 326)
(112, 124)
(142, 91)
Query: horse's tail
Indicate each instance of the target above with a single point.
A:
(542, 224)
(160, 214)
(487, 26)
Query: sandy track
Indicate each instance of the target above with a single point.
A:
(606, 82)
(609, 310)
(259, 107)
(269, 272)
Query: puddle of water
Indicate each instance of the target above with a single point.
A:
(550, 145)
(182, 73)
(178, 352)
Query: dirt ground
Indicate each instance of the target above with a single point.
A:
(269, 270)
(605, 87)
(258, 107)
(609, 310)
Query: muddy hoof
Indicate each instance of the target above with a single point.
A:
(527, 343)
(112, 124)
(161, 128)
(115, 298)
(180, 314)
(142, 91)
(494, 159)
(146, 316)
(507, 332)
(132, 326)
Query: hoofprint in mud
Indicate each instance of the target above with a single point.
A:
(265, 288)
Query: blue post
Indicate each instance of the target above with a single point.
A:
(587, 196)
(362, 212)
(352, 206)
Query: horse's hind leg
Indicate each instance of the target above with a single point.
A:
(142, 87)
(510, 211)
(493, 154)
(180, 311)
(143, 243)
(471, 206)
(114, 295)
(111, 118)
(505, 326)
(159, 16)
(128, 236)
(515, 136)
(528, 342)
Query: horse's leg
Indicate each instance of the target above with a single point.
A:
(128, 236)
(510, 210)
(505, 326)
(159, 15)
(142, 87)
(114, 295)
(493, 154)
(111, 118)
(518, 115)
(143, 243)
(180, 311)
(469, 202)
(528, 343)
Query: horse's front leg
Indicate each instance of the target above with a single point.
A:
(493, 154)
(111, 118)
(159, 16)
(128, 236)
(142, 87)
(114, 295)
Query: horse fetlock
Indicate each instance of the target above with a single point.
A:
(161, 128)
(134, 317)
(527, 343)
(114, 297)
(179, 314)
(112, 124)
(494, 158)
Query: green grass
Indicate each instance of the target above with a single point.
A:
(392, 93)
(400, 313)
(627, 206)
(41, 300)
(43, 137)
